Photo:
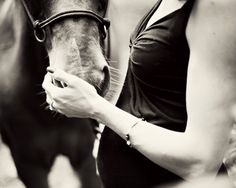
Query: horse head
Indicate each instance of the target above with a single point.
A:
(73, 32)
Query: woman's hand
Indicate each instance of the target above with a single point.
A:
(77, 99)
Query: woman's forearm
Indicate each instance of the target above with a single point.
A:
(116, 119)
(169, 149)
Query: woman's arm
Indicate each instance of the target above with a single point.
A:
(211, 85)
(211, 90)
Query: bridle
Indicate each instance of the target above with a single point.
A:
(39, 26)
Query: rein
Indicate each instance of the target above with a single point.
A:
(39, 26)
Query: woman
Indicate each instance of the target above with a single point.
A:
(181, 68)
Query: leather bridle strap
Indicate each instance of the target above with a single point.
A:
(72, 13)
(39, 26)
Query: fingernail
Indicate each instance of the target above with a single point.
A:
(50, 70)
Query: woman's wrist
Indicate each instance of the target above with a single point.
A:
(116, 119)
(100, 106)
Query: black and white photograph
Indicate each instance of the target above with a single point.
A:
(117, 94)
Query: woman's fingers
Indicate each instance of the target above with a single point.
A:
(50, 69)
(49, 87)
(73, 100)
(64, 77)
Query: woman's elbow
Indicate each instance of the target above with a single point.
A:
(203, 165)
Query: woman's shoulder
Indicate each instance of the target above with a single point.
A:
(215, 5)
(212, 17)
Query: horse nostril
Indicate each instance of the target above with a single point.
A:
(106, 70)
(106, 81)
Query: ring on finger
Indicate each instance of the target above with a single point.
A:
(51, 106)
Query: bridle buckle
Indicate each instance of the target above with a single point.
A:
(39, 33)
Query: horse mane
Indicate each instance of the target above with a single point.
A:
(10, 23)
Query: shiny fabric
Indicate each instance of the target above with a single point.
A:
(155, 89)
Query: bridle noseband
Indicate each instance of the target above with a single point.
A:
(39, 26)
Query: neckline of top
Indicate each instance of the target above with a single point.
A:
(165, 17)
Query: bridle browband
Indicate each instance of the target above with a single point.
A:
(39, 26)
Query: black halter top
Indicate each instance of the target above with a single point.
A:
(155, 89)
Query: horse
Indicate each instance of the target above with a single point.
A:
(68, 35)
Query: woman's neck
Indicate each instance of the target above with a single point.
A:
(166, 7)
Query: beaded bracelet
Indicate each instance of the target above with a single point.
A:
(127, 136)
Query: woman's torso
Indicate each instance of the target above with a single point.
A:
(155, 89)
